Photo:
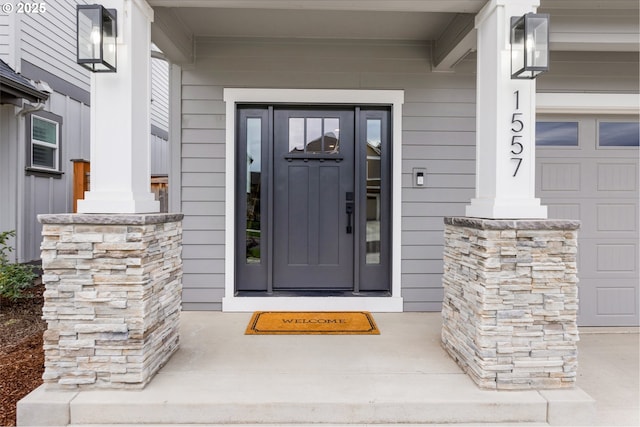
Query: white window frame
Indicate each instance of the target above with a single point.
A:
(32, 141)
(393, 98)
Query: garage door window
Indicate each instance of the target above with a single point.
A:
(557, 134)
(618, 134)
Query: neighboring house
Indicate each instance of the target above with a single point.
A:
(42, 130)
(254, 80)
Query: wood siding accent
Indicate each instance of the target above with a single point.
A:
(81, 180)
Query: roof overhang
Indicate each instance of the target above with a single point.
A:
(11, 91)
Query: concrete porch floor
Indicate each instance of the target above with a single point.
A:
(221, 376)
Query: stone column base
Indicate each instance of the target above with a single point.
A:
(511, 301)
(112, 296)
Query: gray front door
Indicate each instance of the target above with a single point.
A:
(314, 206)
(313, 198)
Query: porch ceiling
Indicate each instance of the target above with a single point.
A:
(597, 25)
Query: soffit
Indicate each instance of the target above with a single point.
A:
(314, 24)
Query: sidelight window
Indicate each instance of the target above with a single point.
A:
(254, 172)
(373, 173)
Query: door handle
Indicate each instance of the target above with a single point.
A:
(349, 209)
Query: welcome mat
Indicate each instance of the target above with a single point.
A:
(312, 322)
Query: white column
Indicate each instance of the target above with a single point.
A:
(505, 115)
(120, 120)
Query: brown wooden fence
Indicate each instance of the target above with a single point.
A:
(82, 183)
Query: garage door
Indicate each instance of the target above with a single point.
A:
(587, 169)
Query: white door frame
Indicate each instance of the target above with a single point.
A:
(393, 98)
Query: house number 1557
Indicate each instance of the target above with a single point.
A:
(517, 126)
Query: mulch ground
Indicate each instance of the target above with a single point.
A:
(21, 354)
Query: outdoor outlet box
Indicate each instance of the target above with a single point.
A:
(419, 177)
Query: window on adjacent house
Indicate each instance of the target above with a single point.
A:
(44, 130)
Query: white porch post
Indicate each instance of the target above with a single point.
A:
(120, 120)
(505, 130)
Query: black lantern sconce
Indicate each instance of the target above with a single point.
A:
(529, 45)
(96, 35)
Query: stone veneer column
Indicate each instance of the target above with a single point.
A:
(112, 297)
(511, 301)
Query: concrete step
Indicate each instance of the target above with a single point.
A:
(312, 399)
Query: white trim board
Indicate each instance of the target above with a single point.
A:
(587, 103)
(394, 98)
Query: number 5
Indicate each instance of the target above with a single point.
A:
(517, 144)
(514, 121)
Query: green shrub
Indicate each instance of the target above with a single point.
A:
(15, 278)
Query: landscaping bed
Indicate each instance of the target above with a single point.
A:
(21, 353)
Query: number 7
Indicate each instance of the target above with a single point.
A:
(519, 160)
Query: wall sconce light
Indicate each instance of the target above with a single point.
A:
(96, 36)
(529, 45)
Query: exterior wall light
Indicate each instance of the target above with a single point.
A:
(529, 45)
(96, 36)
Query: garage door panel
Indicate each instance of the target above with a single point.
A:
(616, 177)
(616, 217)
(560, 176)
(608, 259)
(608, 303)
(616, 258)
(616, 301)
(564, 210)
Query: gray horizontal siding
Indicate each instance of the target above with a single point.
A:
(438, 123)
(591, 72)
(5, 37)
(48, 40)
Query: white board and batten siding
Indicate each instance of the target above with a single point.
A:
(9, 152)
(44, 49)
(159, 137)
(438, 134)
(596, 185)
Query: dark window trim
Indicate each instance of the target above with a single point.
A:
(29, 168)
(43, 173)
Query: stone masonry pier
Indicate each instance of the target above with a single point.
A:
(112, 297)
(511, 301)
